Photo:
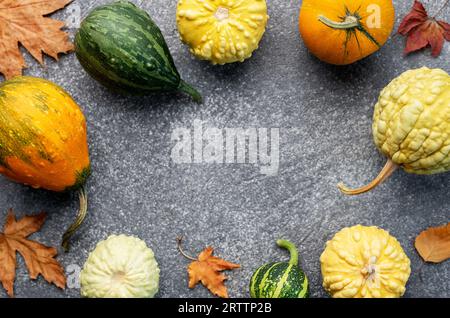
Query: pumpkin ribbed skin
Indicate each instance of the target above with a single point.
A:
(364, 262)
(222, 31)
(43, 141)
(340, 46)
(411, 123)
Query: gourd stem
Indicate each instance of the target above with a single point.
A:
(349, 23)
(78, 220)
(179, 241)
(188, 89)
(387, 171)
(292, 250)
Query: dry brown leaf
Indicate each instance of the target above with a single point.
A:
(433, 244)
(23, 21)
(38, 258)
(422, 30)
(207, 271)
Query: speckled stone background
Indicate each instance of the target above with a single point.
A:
(324, 116)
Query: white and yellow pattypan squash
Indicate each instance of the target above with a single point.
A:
(120, 267)
(222, 31)
(364, 262)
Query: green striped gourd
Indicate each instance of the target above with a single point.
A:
(121, 47)
(282, 279)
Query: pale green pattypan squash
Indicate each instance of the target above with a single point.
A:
(120, 267)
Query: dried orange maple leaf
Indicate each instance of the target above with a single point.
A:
(38, 258)
(206, 269)
(422, 30)
(433, 244)
(23, 21)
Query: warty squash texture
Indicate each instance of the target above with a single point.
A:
(364, 262)
(222, 31)
(411, 125)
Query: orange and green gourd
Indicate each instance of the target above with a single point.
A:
(43, 139)
(342, 32)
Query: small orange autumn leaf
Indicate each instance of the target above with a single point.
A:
(23, 21)
(433, 244)
(206, 269)
(38, 258)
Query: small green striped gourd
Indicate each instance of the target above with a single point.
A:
(282, 279)
(121, 47)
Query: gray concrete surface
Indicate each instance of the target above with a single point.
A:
(324, 116)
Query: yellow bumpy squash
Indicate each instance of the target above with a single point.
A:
(222, 31)
(411, 125)
(364, 262)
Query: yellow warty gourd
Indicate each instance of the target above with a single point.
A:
(411, 125)
(364, 262)
(222, 31)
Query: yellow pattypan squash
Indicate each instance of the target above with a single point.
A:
(411, 125)
(363, 261)
(222, 31)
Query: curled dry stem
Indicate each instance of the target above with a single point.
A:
(78, 220)
(387, 171)
(179, 242)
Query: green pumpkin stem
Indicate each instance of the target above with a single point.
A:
(188, 89)
(292, 250)
(79, 219)
(350, 22)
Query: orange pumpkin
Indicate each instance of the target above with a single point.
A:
(342, 32)
(43, 140)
